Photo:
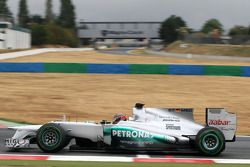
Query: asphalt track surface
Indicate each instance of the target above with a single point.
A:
(236, 150)
(122, 51)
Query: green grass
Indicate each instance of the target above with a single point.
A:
(103, 164)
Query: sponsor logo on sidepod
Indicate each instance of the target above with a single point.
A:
(218, 122)
(129, 134)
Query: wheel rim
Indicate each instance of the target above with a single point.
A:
(210, 141)
(50, 138)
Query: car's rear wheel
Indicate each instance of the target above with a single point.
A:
(210, 141)
(51, 138)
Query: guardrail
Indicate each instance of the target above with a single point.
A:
(165, 69)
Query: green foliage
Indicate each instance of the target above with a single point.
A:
(211, 26)
(53, 34)
(239, 30)
(39, 34)
(62, 36)
(49, 16)
(71, 38)
(4, 9)
(67, 15)
(37, 19)
(23, 15)
(45, 31)
(172, 28)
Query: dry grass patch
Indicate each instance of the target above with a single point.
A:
(96, 57)
(210, 49)
(39, 98)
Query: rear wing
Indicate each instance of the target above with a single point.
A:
(223, 120)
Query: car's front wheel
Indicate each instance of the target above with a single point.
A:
(51, 138)
(210, 141)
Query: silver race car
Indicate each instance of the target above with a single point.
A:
(149, 129)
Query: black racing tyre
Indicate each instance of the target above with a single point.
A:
(210, 141)
(51, 138)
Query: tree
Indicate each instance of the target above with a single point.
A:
(49, 16)
(37, 19)
(172, 28)
(238, 30)
(4, 10)
(54, 34)
(211, 26)
(61, 36)
(38, 34)
(23, 15)
(67, 14)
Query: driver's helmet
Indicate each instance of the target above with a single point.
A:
(119, 117)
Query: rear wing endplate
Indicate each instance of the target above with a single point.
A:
(223, 120)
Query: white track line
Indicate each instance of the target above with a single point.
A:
(91, 158)
(232, 161)
(243, 136)
(145, 158)
(142, 156)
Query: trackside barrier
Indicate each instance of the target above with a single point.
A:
(22, 67)
(108, 68)
(224, 70)
(186, 70)
(65, 68)
(167, 69)
(148, 69)
(246, 71)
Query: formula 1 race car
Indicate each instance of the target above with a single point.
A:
(149, 129)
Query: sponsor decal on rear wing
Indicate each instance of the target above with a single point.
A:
(223, 120)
